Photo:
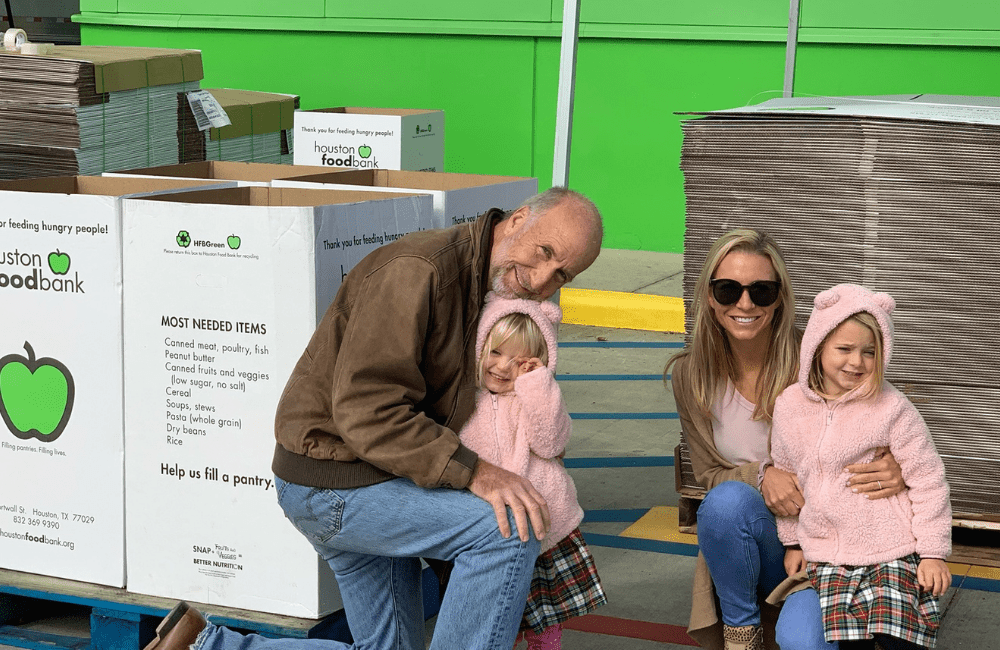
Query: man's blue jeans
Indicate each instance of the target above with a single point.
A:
(373, 538)
(739, 539)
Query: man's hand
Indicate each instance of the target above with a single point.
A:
(794, 561)
(502, 490)
(781, 491)
(878, 479)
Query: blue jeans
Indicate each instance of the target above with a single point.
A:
(373, 538)
(739, 539)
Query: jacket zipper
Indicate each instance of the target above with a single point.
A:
(496, 426)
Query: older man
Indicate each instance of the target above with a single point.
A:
(368, 463)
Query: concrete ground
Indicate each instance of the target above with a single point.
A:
(621, 458)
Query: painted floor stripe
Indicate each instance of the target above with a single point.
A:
(623, 627)
(624, 416)
(620, 461)
(621, 344)
(634, 544)
(627, 515)
(658, 377)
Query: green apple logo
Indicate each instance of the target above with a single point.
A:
(364, 151)
(418, 129)
(183, 239)
(36, 395)
(234, 241)
(59, 262)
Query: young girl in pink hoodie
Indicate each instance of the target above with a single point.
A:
(877, 566)
(521, 424)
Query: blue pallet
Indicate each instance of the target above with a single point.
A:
(121, 620)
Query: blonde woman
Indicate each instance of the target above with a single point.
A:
(744, 351)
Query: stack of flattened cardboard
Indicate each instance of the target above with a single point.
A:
(85, 110)
(260, 129)
(900, 194)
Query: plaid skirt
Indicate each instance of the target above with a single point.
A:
(859, 601)
(565, 584)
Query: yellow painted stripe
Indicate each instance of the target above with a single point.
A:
(992, 573)
(958, 569)
(660, 524)
(634, 311)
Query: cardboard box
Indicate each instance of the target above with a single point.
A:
(245, 174)
(253, 112)
(62, 432)
(458, 198)
(223, 291)
(370, 138)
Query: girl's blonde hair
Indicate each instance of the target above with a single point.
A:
(711, 357)
(873, 384)
(522, 330)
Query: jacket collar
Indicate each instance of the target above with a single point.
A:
(482, 241)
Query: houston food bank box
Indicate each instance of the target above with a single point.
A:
(223, 291)
(246, 174)
(370, 138)
(62, 431)
(458, 198)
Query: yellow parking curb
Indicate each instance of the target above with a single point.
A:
(634, 311)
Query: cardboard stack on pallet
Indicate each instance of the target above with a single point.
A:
(85, 110)
(260, 129)
(896, 193)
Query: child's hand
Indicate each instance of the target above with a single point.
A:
(525, 365)
(933, 576)
(794, 561)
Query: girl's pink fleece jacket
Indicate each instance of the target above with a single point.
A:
(525, 431)
(815, 439)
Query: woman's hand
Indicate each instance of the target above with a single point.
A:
(781, 491)
(794, 561)
(933, 576)
(878, 479)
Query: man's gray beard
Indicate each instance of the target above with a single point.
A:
(501, 288)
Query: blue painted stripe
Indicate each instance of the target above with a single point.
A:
(620, 461)
(630, 515)
(610, 377)
(976, 584)
(621, 344)
(624, 416)
(635, 544)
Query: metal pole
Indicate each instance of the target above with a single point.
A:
(793, 39)
(567, 88)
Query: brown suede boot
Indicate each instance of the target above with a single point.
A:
(179, 630)
(748, 637)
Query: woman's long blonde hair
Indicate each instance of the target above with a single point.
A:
(710, 357)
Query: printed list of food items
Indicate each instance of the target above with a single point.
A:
(200, 364)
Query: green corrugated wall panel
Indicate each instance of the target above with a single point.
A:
(975, 15)
(851, 70)
(109, 6)
(275, 8)
(626, 138)
(508, 10)
(732, 13)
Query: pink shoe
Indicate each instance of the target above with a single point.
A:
(549, 639)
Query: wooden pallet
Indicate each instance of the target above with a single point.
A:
(121, 620)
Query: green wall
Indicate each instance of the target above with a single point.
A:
(493, 68)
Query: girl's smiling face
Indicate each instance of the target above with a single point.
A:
(501, 366)
(847, 358)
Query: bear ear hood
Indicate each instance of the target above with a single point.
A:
(831, 308)
(547, 315)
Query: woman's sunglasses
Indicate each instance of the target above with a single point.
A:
(763, 293)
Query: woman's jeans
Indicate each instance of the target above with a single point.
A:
(739, 540)
(373, 537)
